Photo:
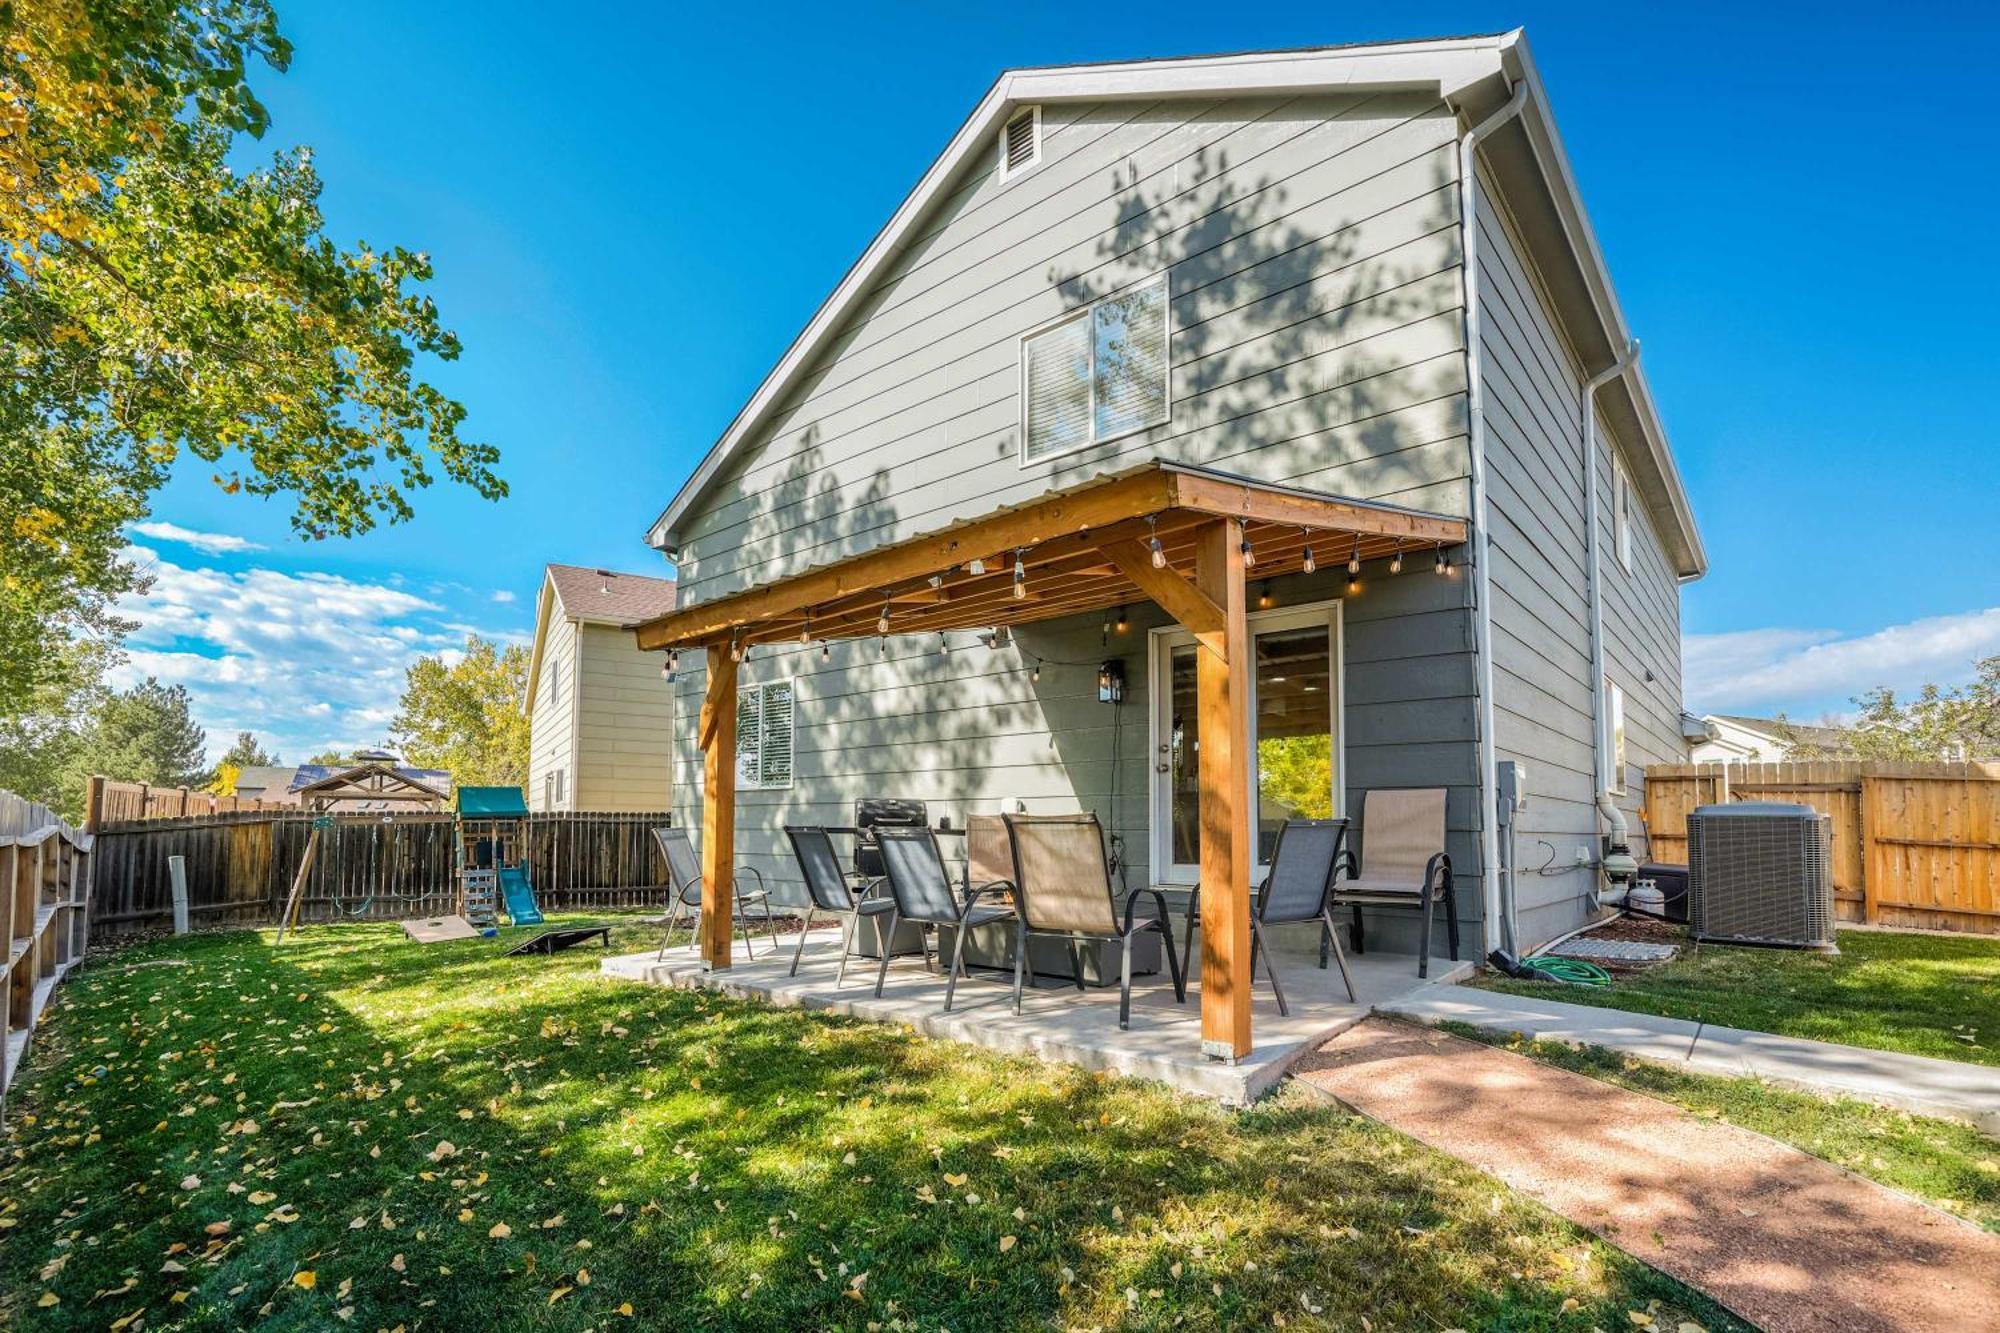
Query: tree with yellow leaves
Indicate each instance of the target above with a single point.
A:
(157, 307)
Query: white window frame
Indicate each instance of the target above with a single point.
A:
(1034, 115)
(758, 691)
(1089, 314)
(1613, 739)
(1621, 514)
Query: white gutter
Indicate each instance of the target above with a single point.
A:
(1614, 818)
(1489, 779)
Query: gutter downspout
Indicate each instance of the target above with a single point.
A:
(1614, 818)
(1475, 399)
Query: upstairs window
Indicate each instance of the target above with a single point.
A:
(1099, 374)
(764, 735)
(1021, 142)
(1621, 515)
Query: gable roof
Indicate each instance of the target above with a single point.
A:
(593, 597)
(1474, 75)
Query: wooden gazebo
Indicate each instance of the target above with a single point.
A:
(371, 784)
(1179, 536)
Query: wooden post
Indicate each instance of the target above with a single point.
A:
(1222, 680)
(93, 803)
(718, 808)
(1871, 823)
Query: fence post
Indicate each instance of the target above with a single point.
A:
(93, 803)
(1871, 900)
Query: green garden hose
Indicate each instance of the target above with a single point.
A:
(1573, 971)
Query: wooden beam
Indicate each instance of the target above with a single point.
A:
(718, 808)
(1173, 594)
(1266, 504)
(1028, 525)
(1222, 680)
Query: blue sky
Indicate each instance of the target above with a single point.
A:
(632, 211)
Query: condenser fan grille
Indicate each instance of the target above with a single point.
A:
(1761, 873)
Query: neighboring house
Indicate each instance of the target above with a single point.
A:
(1253, 264)
(1763, 740)
(599, 713)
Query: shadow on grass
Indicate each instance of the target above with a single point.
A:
(705, 1162)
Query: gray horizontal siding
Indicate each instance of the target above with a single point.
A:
(1312, 255)
(1541, 629)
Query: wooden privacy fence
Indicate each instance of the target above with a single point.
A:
(44, 925)
(369, 867)
(1914, 845)
(111, 802)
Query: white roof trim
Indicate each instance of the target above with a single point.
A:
(1448, 67)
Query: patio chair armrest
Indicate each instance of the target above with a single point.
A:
(1159, 904)
(999, 887)
(1344, 862)
(872, 887)
(1437, 874)
(755, 874)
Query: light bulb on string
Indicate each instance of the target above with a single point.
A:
(1396, 561)
(882, 621)
(1020, 577)
(1153, 543)
(1354, 560)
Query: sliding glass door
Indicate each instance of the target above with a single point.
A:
(1295, 712)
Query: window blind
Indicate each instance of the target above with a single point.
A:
(1058, 388)
(1129, 379)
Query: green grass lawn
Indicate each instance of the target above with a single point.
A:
(354, 1131)
(1924, 994)
(1947, 1163)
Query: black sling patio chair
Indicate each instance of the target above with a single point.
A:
(920, 888)
(1299, 888)
(1402, 864)
(685, 890)
(833, 892)
(1065, 890)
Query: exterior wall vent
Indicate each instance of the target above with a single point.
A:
(1021, 142)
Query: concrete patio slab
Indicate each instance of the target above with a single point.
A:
(1791, 1243)
(1948, 1088)
(1057, 1022)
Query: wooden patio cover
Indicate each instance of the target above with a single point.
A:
(1186, 538)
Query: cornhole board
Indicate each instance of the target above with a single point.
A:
(555, 941)
(433, 929)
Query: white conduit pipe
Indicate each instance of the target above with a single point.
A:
(1614, 818)
(1475, 399)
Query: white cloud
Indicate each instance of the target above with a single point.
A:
(1807, 672)
(208, 543)
(503, 596)
(307, 661)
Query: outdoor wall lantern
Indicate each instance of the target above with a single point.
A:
(1111, 682)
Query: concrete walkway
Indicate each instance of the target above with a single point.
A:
(1786, 1240)
(1917, 1083)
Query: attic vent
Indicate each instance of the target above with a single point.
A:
(1021, 142)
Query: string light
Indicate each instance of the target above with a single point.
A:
(944, 644)
(1123, 624)
(825, 651)
(806, 630)
(882, 621)
(1396, 561)
(1249, 555)
(1307, 564)
(1020, 577)
(1353, 583)
(735, 650)
(673, 665)
(1264, 596)
(1354, 561)
(1036, 674)
(1153, 542)
(1443, 563)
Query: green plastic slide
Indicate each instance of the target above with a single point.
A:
(519, 896)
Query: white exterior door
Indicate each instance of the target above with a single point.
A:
(1296, 763)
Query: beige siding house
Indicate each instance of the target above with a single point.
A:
(601, 718)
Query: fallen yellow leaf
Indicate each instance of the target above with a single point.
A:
(1006, 1244)
(500, 1231)
(558, 1294)
(305, 1278)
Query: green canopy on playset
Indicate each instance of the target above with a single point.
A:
(490, 803)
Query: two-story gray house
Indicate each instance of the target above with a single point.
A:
(1359, 281)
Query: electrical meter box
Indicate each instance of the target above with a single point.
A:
(1513, 784)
